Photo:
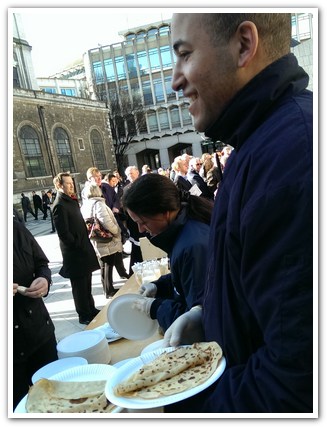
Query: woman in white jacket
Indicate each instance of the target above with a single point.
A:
(95, 204)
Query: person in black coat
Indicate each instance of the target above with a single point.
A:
(34, 341)
(26, 206)
(37, 202)
(79, 257)
(195, 178)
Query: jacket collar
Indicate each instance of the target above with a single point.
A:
(248, 109)
(166, 239)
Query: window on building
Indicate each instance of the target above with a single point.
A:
(174, 116)
(63, 149)
(163, 118)
(81, 144)
(152, 32)
(120, 66)
(140, 36)
(154, 59)
(165, 56)
(152, 120)
(143, 62)
(130, 36)
(135, 88)
(169, 90)
(49, 89)
(16, 78)
(98, 150)
(131, 66)
(109, 69)
(98, 73)
(31, 149)
(186, 116)
(68, 92)
(147, 94)
(163, 31)
(158, 90)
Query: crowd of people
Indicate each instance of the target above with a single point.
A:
(236, 224)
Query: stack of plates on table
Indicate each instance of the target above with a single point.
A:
(92, 345)
(129, 322)
(57, 366)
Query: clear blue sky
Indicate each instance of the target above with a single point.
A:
(59, 36)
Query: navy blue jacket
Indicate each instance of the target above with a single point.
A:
(258, 295)
(186, 242)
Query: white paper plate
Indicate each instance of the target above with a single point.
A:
(122, 362)
(153, 346)
(57, 366)
(129, 322)
(92, 372)
(132, 366)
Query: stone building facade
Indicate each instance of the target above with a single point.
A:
(56, 133)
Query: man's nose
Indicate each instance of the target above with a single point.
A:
(177, 79)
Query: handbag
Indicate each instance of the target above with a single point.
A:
(96, 230)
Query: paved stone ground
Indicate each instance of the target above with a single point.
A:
(60, 302)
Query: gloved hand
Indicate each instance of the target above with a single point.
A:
(143, 305)
(187, 329)
(148, 290)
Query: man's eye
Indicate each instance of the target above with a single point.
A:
(183, 54)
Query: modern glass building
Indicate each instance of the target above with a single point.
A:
(141, 66)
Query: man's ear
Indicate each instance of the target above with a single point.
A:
(247, 34)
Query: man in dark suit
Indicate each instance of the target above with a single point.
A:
(26, 206)
(37, 202)
(79, 257)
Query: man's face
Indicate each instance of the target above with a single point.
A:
(205, 72)
(133, 175)
(113, 182)
(67, 186)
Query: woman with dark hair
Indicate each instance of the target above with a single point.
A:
(178, 223)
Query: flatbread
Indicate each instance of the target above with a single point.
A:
(174, 372)
(50, 396)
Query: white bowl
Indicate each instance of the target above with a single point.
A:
(57, 366)
(92, 345)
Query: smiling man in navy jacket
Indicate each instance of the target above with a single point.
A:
(247, 90)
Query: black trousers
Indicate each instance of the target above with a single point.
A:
(30, 211)
(83, 298)
(37, 208)
(23, 372)
(107, 266)
(136, 256)
(119, 264)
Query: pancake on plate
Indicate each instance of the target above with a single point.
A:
(51, 396)
(173, 372)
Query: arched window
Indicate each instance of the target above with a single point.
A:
(186, 116)
(31, 149)
(152, 120)
(98, 150)
(163, 118)
(164, 30)
(175, 119)
(152, 32)
(64, 151)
